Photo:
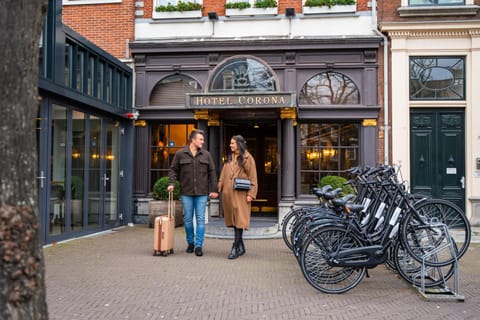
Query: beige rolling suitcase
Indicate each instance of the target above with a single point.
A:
(164, 230)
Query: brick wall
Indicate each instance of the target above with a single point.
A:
(109, 26)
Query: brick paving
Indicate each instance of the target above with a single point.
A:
(114, 276)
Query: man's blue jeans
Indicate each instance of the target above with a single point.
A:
(194, 205)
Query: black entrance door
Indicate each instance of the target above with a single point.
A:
(261, 140)
(437, 155)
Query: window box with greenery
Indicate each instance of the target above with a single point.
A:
(251, 8)
(159, 205)
(182, 9)
(329, 6)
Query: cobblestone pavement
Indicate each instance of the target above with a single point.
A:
(114, 276)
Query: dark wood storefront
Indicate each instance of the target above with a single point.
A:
(276, 116)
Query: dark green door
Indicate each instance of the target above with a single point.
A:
(437, 155)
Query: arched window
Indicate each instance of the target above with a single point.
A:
(243, 74)
(329, 88)
(171, 90)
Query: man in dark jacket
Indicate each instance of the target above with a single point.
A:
(194, 168)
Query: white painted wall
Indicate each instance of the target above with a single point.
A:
(462, 39)
(268, 27)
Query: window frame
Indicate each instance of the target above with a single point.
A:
(463, 59)
(456, 3)
(338, 148)
(167, 146)
(82, 2)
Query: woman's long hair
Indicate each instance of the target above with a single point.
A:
(242, 147)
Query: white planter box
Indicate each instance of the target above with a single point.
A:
(251, 12)
(334, 9)
(177, 14)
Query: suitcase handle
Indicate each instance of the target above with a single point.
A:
(171, 205)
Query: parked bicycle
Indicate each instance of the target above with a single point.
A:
(336, 241)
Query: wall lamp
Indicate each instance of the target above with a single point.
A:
(290, 12)
(212, 15)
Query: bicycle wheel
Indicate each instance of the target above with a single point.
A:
(287, 224)
(424, 232)
(411, 270)
(316, 253)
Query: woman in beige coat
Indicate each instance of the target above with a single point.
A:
(237, 203)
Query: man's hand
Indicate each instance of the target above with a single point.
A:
(213, 195)
(170, 188)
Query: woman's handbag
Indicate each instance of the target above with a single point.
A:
(241, 184)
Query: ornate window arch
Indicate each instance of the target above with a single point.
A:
(243, 73)
(170, 91)
(329, 88)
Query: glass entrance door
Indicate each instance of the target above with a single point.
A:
(111, 174)
(261, 137)
(78, 172)
(103, 173)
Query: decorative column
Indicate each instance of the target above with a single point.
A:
(214, 148)
(202, 123)
(288, 179)
(369, 133)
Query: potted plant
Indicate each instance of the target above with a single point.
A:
(329, 6)
(244, 8)
(336, 182)
(182, 9)
(159, 205)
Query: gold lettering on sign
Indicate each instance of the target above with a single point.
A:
(257, 100)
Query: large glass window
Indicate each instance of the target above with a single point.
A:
(94, 171)
(86, 72)
(80, 73)
(326, 149)
(166, 139)
(78, 169)
(58, 169)
(435, 2)
(437, 78)
(329, 88)
(68, 64)
(243, 74)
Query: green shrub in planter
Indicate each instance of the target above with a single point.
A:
(328, 3)
(266, 4)
(160, 189)
(181, 6)
(337, 182)
(237, 5)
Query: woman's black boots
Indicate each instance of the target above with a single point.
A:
(238, 248)
(234, 253)
(241, 248)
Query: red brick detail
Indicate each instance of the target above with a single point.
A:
(147, 9)
(109, 26)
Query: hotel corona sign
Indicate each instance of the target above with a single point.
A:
(240, 100)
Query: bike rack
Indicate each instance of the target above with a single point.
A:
(442, 291)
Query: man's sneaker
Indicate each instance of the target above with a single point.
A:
(190, 248)
(198, 251)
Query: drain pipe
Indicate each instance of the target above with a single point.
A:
(386, 126)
